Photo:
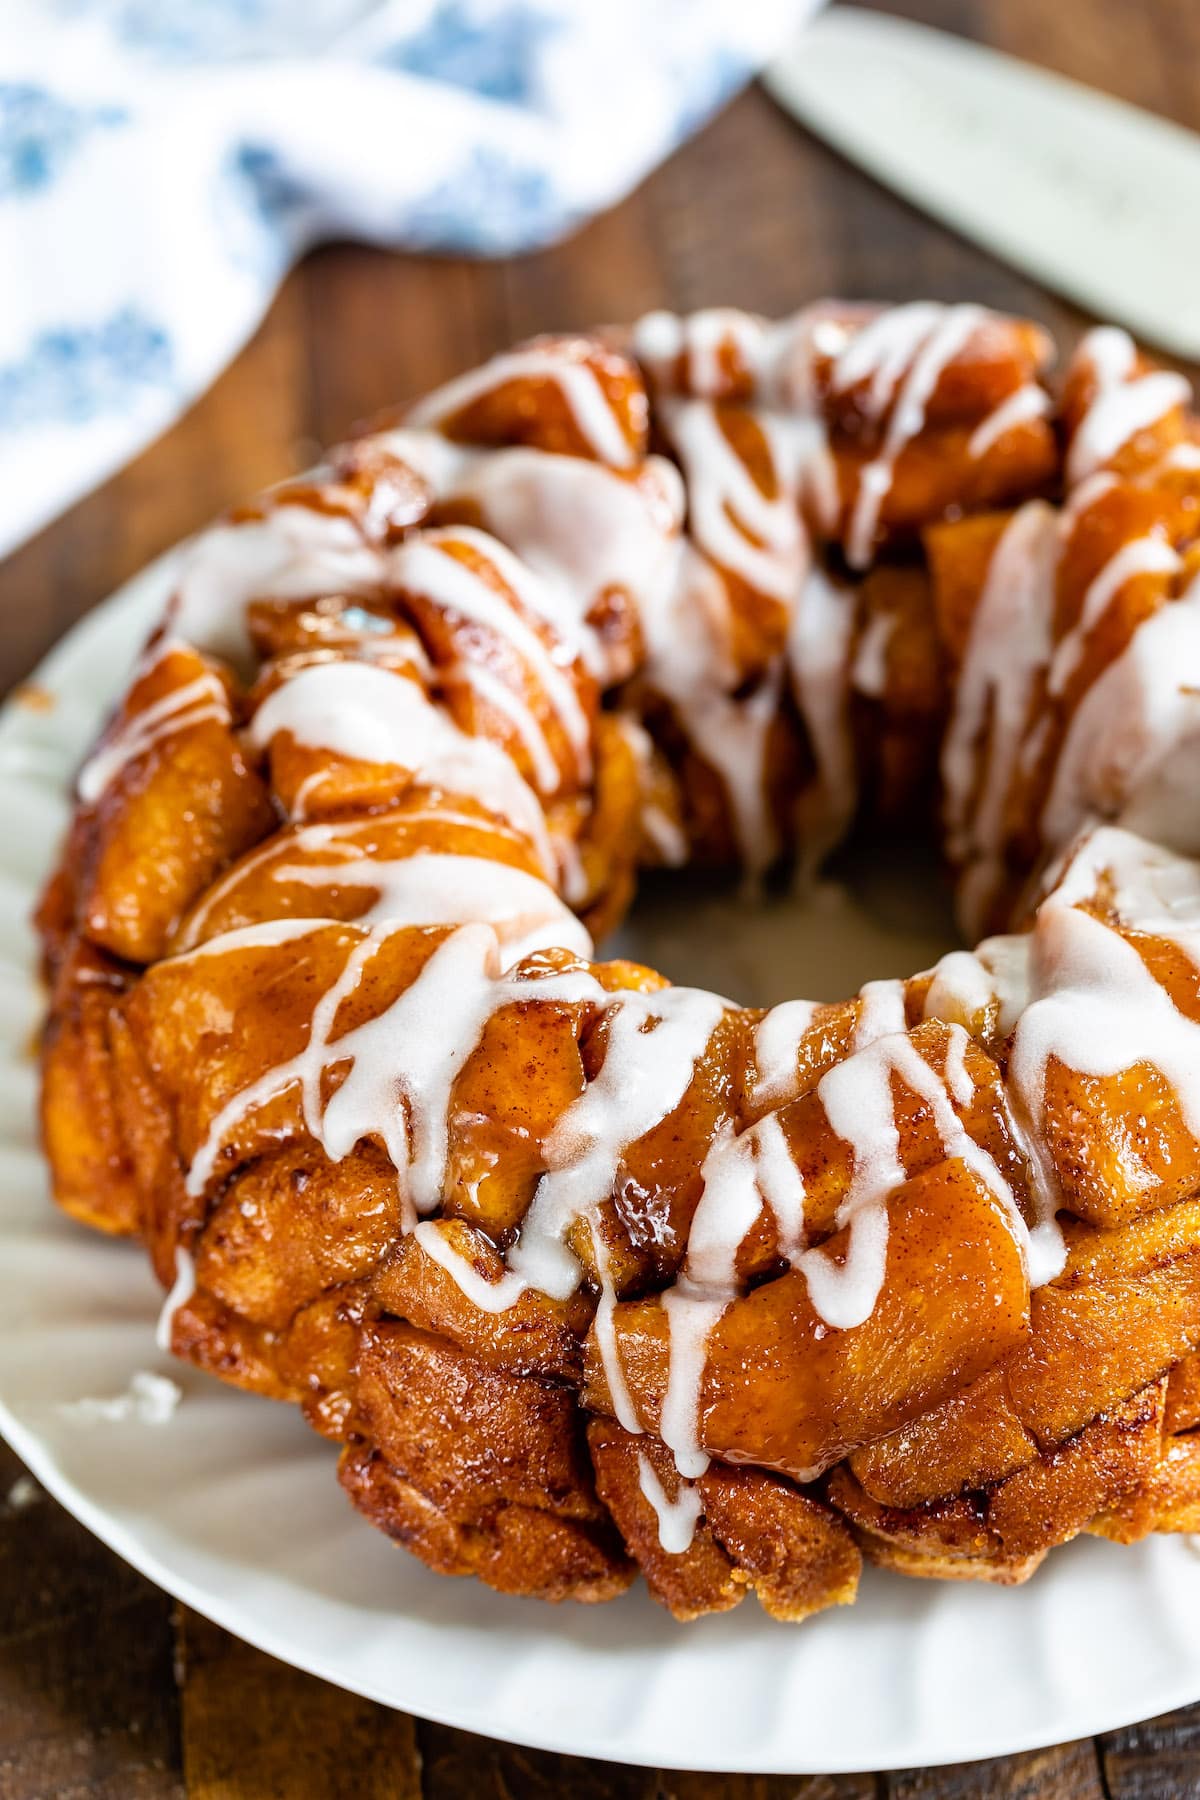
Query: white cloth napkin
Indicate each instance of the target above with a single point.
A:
(163, 162)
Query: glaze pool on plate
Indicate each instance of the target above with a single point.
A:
(231, 1505)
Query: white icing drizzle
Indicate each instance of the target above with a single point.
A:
(729, 1205)
(1179, 456)
(777, 1040)
(960, 1084)
(585, 398)
(182, 1289)
(732, 736)
(661, 338)
(1154, 891)
(665, 833)
(492, 690)
(585, 532)
(688, 665)
(818, 658)
(330, 836)
(961, 991)
(742, 1173)
(1008, 645)
(1023, 405)
(425, 565)
(265, 934)
(691, 1314)
(678, 1517)
(371, 715)
(880, 1012)
(1132, 749)
(869, 674)
(293, 553)
(1007, 961)
(1124, 403)
(403, 1062)
(606, 1342)
(781, 1185)
(857, 1097)
(760, 540)
(435, 888)
(488, 1296)
(1096, 1008)
(922, 340)
(654, 1042)
(198, 702)
(883, 349)
(1150, 555)
(965, 983)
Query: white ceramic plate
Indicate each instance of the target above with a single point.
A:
(232, 1505)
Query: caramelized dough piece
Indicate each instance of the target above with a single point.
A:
(825, 1161)
(970, 1438)
(166, 1214)
(222, 1343)
(1168, 1499)
(931, 1565)
(358, 625)
(316, 1356)
(1126, 1307)
(170, 817)
(1120, 1143)
(461, 647)
(999, 356)
(1002, 1533)
(607, 838)
(522, 399)
(534, 1336)
(526, 1071)
(294, 1224)
(959, 555)
(794, 1553)
(936, 476)
(659, 1176)
(783, 1391)
(702, 1578)
(205, 1034)
(516, 1549)
(1183, 1396)
(322, 872)
(478, 1472)
(1053, 1498)
(94, 1179)
(756, 1532)
(899, 694)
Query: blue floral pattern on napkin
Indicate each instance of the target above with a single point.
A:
(162, 162)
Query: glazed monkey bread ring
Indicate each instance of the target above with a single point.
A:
(584, 1272)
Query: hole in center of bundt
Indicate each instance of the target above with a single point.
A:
(876, 911)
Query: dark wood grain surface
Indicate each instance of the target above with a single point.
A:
(106, 1687)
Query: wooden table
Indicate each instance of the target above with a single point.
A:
(107, 1688)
